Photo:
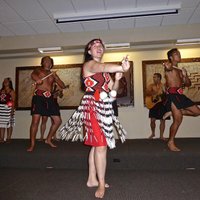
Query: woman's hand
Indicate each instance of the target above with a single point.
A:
(118, 76)
(125, 64)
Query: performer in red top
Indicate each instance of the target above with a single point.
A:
(7, 101)
(96, 112)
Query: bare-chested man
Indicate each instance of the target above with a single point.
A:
(154, 101)
(177, 102)
(43, 103)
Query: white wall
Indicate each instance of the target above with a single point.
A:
(135, 119)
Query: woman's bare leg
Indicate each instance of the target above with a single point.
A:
(2, 134)
(9, 134)
(100, 163)
(92, 177)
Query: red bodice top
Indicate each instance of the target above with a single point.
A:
(98, 81)
(4, 97)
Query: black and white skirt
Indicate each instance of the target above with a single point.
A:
(104, 115)
(7, 118)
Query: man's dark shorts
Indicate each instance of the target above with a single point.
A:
(157, 111)
(43, 104)
(178, 99)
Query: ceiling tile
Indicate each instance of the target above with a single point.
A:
(28, 9)
(195, 17)
(20, 28)
(5, 32)
(148, 21)
(7, 14)
(73, 27)
(44, 26)
(57, 7)
(181, 18)
(89, 6)
(186, 3)
(117, 4)
(121, 23)
(145, 3)
(95, 26)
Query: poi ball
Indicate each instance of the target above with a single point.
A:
(9, 103)
(113, 93)
(103, 95)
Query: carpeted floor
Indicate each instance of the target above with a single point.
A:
(137, 170)
(64, 184)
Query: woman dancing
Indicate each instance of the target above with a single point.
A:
(96, 113)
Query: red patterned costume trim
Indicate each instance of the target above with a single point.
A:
(175, 95)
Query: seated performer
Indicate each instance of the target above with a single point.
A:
(154, 101)
(43, 103)
(96, 113)
(7, 101)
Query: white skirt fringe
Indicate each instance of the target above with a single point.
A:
(105, 117)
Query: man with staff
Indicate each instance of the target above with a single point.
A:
(43, 103)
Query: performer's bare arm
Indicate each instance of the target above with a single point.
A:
(186, 80)
(35, 76)
(115, 84)
(92, 67)
(13, 98)
(60, 83)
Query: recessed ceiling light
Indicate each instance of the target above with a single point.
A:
(50, 50)
(117, 46)
(191, 41)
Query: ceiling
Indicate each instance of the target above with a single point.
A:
(34, 19)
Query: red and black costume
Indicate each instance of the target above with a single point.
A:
(96, 113)
(43, 103)
(7, 117)
(175, 95)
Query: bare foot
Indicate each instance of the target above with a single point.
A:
(41, 140)
(50, 144)
(100, 192)
(55, 139)
(151, 136)
(172, 146)
(95, 184)
(167, 114)
(8, 141)
(162, 138)
(30, 149)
